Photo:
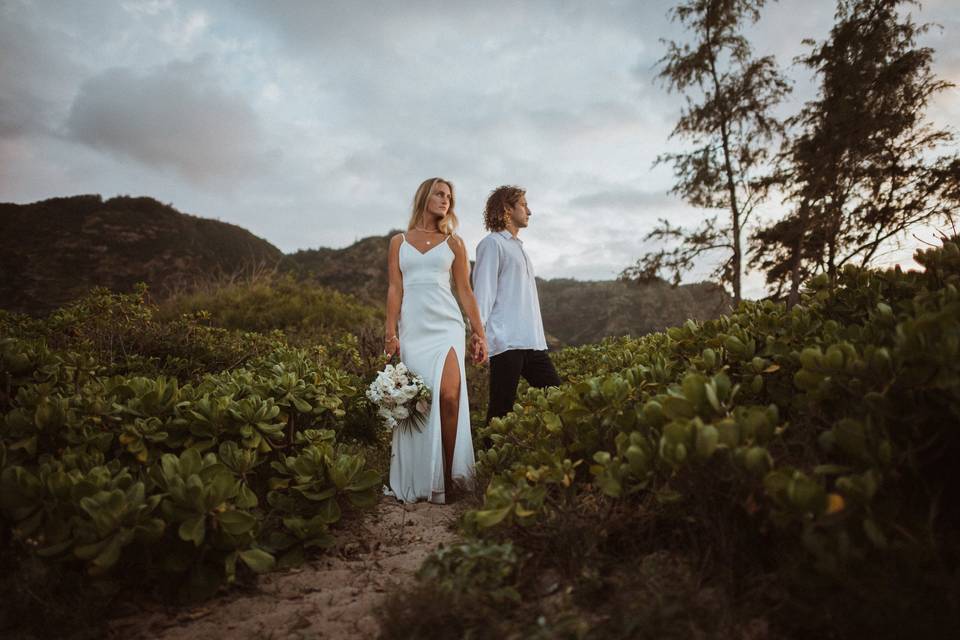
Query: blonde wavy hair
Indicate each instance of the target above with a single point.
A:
(448, 223)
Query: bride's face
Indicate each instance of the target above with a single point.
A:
(439, 202)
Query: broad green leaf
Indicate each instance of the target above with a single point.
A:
(236, 522)
(193, 529)
(329, 511)
(258, 560)
(364, 480)
(492, 517)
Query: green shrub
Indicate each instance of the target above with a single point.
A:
(152, 451)
(815, 442)
(461, 591)
(90, 470)
(124, 336)
(306, 313)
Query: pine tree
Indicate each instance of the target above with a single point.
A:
(860, 171)
(731, 129)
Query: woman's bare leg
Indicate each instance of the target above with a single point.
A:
(449, 415)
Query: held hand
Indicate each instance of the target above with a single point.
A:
(482, 356)
(479, 348)
(474, 348)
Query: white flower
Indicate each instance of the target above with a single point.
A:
(397, 393)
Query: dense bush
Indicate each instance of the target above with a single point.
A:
(122, 333)
(463, 591)
(348, 332)
(801, 459)
(136, 456)
(305, 312)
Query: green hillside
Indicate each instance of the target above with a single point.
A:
(54, 251)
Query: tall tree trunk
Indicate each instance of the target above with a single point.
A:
(731, 184)
(735, 220)
(794, 297)
(833, 237)
(797, 259)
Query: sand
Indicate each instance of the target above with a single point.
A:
(331, 596)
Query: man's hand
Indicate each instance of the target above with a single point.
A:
(478, 347)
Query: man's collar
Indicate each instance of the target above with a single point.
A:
(509, 236)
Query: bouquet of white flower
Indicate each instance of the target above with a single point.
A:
(401, 397)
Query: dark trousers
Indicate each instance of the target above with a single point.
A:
(505, 371)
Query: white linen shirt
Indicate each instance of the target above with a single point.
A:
(506, 292)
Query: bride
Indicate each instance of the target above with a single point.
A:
(425, 326)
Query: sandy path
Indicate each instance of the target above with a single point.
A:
(332, 596)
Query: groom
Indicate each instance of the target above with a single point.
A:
(506, 292)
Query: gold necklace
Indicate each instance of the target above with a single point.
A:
(427, 231)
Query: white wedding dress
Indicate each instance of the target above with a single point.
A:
(430, 326)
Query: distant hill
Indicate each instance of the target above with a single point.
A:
(574, 311)
(55, 250)
(360, 269)
(580, 312)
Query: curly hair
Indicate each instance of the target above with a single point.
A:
(499, 200)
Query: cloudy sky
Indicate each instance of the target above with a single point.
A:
(311, 122)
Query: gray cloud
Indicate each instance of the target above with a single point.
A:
(500, 28)
(174, 116)
(188, 101)
(35, 76)
(624, 200)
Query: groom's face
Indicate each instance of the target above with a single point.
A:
(519, 213)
